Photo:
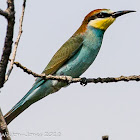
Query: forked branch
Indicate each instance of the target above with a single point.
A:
(17, 42)
(10, 16)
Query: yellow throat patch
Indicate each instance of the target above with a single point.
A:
(101, 23)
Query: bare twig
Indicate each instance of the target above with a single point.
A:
(17, 42)
(8, 41)
(83, 81)
(3, 13)
(3, 128)
(105, 137)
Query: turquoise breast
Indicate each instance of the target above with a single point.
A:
(80, 62)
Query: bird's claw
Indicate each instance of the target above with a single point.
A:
(69, 79)
(83, 81)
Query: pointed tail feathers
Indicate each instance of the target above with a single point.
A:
(18, 108)
(22, 104)
(15, 111)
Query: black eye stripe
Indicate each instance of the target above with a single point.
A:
(103, 15)
(93, 17)
(99, 15)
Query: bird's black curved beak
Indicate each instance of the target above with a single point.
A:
(120, 13)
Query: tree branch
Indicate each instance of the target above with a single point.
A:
(83, 81)
(8, 41)
(3, 13)
(3, 128)
(17, 42)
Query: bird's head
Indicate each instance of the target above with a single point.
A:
(102, 18)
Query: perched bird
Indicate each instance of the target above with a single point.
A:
(72, 59)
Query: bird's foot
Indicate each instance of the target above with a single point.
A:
(83, 81)
(69, 79)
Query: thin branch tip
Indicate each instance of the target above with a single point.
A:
(106, 137)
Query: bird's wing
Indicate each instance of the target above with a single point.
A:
(67, 50)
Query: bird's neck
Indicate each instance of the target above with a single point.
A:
(84, 28)
(96, 32)
(93, 37)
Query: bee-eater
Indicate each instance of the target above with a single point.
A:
(72, 59)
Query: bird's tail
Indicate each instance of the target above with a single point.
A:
(15, 111)
(21, 105)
